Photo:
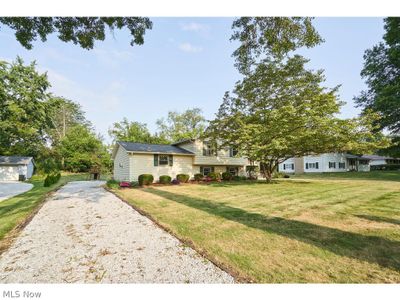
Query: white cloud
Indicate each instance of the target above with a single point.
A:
(187, 47)
(113, 58)
(194, 27)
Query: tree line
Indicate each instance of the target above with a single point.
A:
(279, 109)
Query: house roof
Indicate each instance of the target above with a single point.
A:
(182, 141)
(356, 157)
(153, 148)
(15, 160)
(377, 157)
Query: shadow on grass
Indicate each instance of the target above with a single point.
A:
(372, 249)
(379, 219)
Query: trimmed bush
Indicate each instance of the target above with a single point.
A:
(165, 179)
(112, 184)
(286, 176)
(182, 177)
(198, 177)
(214, 176)
(175, 181)
(145, 179)
(51, 179)
(227, 176)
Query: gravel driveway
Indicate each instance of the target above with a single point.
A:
(86, 234)
(13, 188)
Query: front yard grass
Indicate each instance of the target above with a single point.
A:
(295, 230)
(16, 210)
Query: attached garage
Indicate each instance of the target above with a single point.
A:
(13, 168)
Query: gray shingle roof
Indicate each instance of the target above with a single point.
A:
(15, 160)
(377, 157)
(153, 148)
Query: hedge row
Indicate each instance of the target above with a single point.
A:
(51, 179)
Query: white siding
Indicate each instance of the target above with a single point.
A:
(29, 171)
(122, 168)
(377, 162)
(222, 158)
(144, 164)
(8, 173)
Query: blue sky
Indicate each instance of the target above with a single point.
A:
(184, 63)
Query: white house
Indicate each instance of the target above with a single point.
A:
(16, 168)
(185, 157)
(325, 163)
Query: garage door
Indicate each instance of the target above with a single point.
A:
(9, 173)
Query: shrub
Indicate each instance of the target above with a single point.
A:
(145, 179)
(278, 175)
(51, 179)
(175, 181)
(286, 176)
(182, 177)
(112, 184)
(214, 176)
(165, 179)
(198, 177)
(227, 176)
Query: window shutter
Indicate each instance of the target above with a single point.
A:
(284, 166)
(316, 165)
(155, 160)
(171, 160)
(306, 165)
(201, 170)
(204, 151)
(212, 169)
(292, 166)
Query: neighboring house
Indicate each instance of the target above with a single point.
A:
(377, 160)
(184, 157)
(325, 163)
(11, 167)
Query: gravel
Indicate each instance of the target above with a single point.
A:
(13, 188)
(85, 234)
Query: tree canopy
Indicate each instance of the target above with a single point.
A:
(381, 72)
(280, 109)
(82, 31)
(23, 117)
(189, 124)
(128, 131)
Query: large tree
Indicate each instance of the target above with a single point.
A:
(189, 124)
(82, 31)
(280, 109)
(381, 72)
(83, 150)
(128, 131)
(23, 113)
(63, 114)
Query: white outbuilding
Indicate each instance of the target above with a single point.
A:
(14, 168)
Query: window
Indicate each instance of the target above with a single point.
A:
(363, 162)
(342, 165)
(233, 151)
(332, 165)
(288, 166)
(163, 160)
(206, 170)
(232, 170)
(209, 149)
(312, 165)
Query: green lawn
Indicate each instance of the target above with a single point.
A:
(16, 210)
(318, 228)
